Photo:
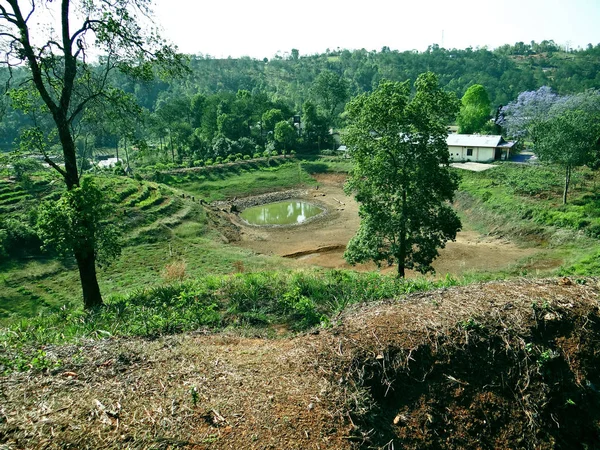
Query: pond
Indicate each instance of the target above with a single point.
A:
(289, 212)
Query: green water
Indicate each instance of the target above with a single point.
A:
(288, 212)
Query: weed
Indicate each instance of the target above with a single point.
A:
(175, 271)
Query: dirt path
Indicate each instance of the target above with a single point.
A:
(322, 242)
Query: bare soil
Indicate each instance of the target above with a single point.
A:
(497, 365)
(323, 242)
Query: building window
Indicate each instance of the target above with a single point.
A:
(469, 152)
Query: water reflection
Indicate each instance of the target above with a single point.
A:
(281, 213)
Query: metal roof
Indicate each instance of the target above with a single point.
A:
(473, 140)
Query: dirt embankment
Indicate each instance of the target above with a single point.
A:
(498, 365)
(323, 242)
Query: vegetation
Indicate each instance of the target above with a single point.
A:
(298, 299)
(63, 85)
(474, 110)
(401, 177)
(564, 129)
(524, 203)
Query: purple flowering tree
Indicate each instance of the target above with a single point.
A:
(565, 130)
(516, 117)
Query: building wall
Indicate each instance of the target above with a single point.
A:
(480, 154)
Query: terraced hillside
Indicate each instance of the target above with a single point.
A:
(159, 226)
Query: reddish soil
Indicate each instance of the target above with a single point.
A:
(323, 242)
(498, 365)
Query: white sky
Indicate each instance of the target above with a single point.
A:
(261, 28)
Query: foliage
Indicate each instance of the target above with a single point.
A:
(474, 110)
(563, 129)
(401, 177)
(78, 220)
(331, 92)
(298, 299)
(516, 117)
(285, 134)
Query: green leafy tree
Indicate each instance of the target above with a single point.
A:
(285, 134)
(58, 61)
(315, 130)
(569, 139)
(474, 110)
(270, 118)
(331, 92)
(401, 177)
(78, 222)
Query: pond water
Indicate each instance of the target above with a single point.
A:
(289, 212)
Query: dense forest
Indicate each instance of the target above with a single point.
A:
(240, 107)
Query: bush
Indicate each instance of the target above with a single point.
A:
(208, 162)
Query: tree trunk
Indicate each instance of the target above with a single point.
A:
(117, 149)
(567, 181)
(402, 256)
(86, 259)
(86, 263)
(172, 149)
(401, 273)
(126, 154)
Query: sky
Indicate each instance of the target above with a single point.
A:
(263, 28)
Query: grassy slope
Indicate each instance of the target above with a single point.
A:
(220, 183)
(524, 203)
(160, 227)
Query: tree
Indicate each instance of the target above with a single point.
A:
(270, 118)
(516, 117)
(475, 110)
(569, 139)
(401, 177)
(57, 56)
(564, 130)
(285, 134)
(315, 132)
(331, 91)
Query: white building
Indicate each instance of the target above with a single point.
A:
(476, 147)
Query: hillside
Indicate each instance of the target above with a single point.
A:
(494, 365)
(159, 225)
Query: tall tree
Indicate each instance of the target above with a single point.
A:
(58, 59)
(474, 110)
(331, 91)
(401, 176)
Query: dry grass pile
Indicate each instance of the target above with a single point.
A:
(495, 365)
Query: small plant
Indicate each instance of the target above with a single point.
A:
(175, 271)
(470, 324)
(194, 394)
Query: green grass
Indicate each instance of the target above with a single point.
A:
(524, 203)
(240, 181)
(299, 300)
